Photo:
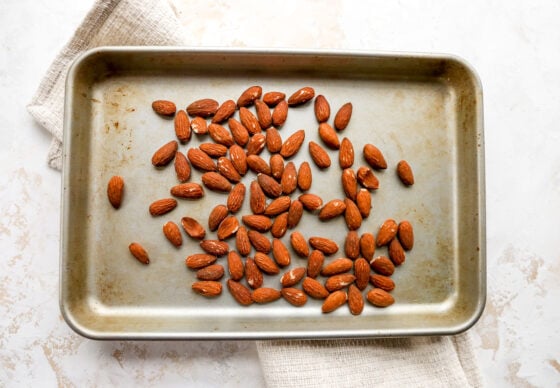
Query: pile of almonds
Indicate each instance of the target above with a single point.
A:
(234, 152)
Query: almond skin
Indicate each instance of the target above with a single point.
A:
(352, 215)
(404, 172)
(374, 157)
(258, 165)
(256, 144)
(294, 213)
(139, 253)
(322, 109)
(182, 126)
(289, 178)
(338, 266)
(235, 266)
(294, 296)
(349, 183)
(315, 263)
(217, 215)
(396, 252)
(383, 282)
(257, 199)
(239, 292)
(280, 253)
(220, 135)
(361, 271)
(305, 177)
(164, 107)
(199, 126)
(193, 228)
(259, 241)
(363, 201)
(115, 190)
(334, 301)
(249, 121)
(387, 232)
(215, 247)
(328, 136)
(355, 300)
(266, 264)
(352, 245)
(301, 96)
(203, 108)
(263, 114)
(277, 206)
(253, 274)
(200, 160)
(405, 234)
(228, 227)
(212, 272)
(325, 245)
(299, 245)
(182, 167)
(338, 282)
(319, 155)
(382, 265)
(367, 178)
(265, 295)
(273, 98)
(314, 289)
(257, 222)
(238, 159)
(346, 154)
(236, 197)
(238, 132)
(380, 298)
(173, 233)
(162, 206)
(367, 246)
(242, 242)
(165, 154)
(215, 182)
(224, 112)
(292, 277)
(332, 209)
(207, 288)
(199, 260)
(228, 170)
(187, 191)
(310, 201)
(277, 167)
(280, 114)
(342, 117)
(269, 185)
(273, 140)
(292, 144)
(249, 96)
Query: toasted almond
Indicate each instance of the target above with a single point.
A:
(266, 264)
(215, 247)
(207, 288)
(325, 245)
(224, 112)
(280, 253)
(200, 160)
(334, 301)
(173, 233)
(212, 272)
(238, 159)
(162, 206)
(269, 185)
(220, 135)
(258, 165)
(352, 245)
(301, 96)
(204, 108)
(322, 109)
(249, 121)
(338, 266)
(314, 289)
(319, 155)
(257, 222)
(227, 169)
(259, 241)
(236, 269)
(292, 277)
(182, 167)
(139, 253)
(346, 153)
(387, 231)
(294, 296)
(193, 228)
(361, 271)
(383, 282)
(349, 183)
(273, 140)
(294, 213)
(182, 126)
(265, 295)
(242, 242)
(337, 282)
(263, 114)
(249, 96)
(217, 215)
(187, 191)
(256, 144)
(329, 136)
(228, 227)
(332, 209)
(273, 98)
(164, 107)
(200, 260)
(236, 197)
(310, 201)
(355, 300)
(363, 201)
(213, 150)
(280, 225)
(374, 157)
(280, 114)
(277, 206)
(396, 252)
(289, 178)
(404, 171)
(115, 190)
(352, 215)
(165, 154)
(315, 263)
(253, 274)
(277, 167)
(380, 298)
(304, 178)
(342, 117)
(239, 132)
(405, 234)
(199, 126)
(299, 244)
(292, 144)
(367, 178)
(215, 181)
(382, 265)
(257, 199)
(239, 292)
(367, 246)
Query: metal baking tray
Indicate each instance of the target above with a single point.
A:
(425, 108)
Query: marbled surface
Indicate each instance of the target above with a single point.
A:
(513, 46)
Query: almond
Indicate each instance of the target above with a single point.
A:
(292, 144)
(382, 265)
(299, 245)
(253, 274)
(164, 107)
(259, 241)
(265, 295)
(257, 222)
(239, 292)
(301, 96)
(277, 167)
(249, 121)
(404, 171)
(217, 215)
(334, 301)
(304, 178)
(220, 135)
(187, 191)
(207, 288)
(182, 126)
(396, 252)
(367, 246)
(294, 296)
(266, 264)
(315, 263)
(249, 96)
(383, 282)
(329, 136)
(227, 169)
(363, 201)
(352, 245)
(352, 215)
(294, 213)
(242, 242)
(162, 206)
(182, 167)
(115, 189)
(273, 98)
(204, 108)
(228, 227)
(236, 197)
(273, 140)
(257, 199)
(280, 253)
(173, 233)
(165, 154)
(406, 235)
(263, 114)
(332, 209)
(256, 144)
(355, 300)
(269, 186)
(292, 277)
(361, 271)
(387, 232)
(215, 181)
(322, 109)
(199, 126)
(338, 282)
(258, 165)
(380, 298)
(280, 114)
(193, 228)
(314, 289)
(374, 157)
(139, 253)
(325, 245)
(289, 178)
(319, 155)
(349, 183)
(200, 160)
(214, 150)
(310, 201)
(199, 260)
(338, 266)
(277, 206)
(215, 247)
(280, 225)
(342, 117)
(224, 112)
(239, 132)
(212, 272)
(238, 159)
(235, 266)
(346, 153)
(367, 178)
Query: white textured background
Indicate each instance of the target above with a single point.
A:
(514, 47)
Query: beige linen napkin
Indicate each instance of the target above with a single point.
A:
(404, 362)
